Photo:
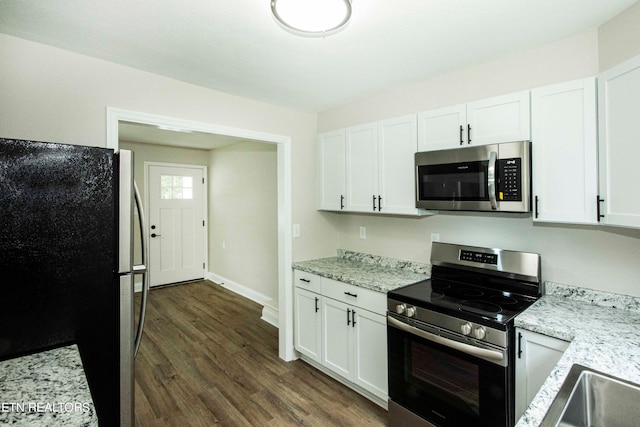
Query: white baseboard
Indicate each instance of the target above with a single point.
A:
(269, 313)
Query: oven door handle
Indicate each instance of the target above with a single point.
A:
(483, 353)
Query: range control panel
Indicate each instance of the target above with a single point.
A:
(479, 257)
(509, 179)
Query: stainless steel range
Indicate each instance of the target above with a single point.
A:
(451, 338)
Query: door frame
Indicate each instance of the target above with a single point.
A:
(147, 201)
(285, 243)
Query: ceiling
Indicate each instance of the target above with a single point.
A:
(184, 138)
(235, 46)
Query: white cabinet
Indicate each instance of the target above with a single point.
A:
(331, 148)
(564, 145)
(355, 345)
(308, 315)
(442, 128)
(337, 353)
(343, 328)
(362, 168)
(369, 168)
(619, 144)
(370, 343)
(502, 118)
(536, 356)
(397, 145)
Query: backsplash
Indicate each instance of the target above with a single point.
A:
(599, 298)
(414, 267)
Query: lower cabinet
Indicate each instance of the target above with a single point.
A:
(536, 356)
(308, 323)
(343, 336)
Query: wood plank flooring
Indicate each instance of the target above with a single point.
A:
(207, 359)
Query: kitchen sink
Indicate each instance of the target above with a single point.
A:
(589, 398)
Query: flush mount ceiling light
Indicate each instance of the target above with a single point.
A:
(312, 18)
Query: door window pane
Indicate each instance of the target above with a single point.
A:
(175, 187)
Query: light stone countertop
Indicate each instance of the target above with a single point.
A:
(367, 271)
(46, 389)
(604, 332)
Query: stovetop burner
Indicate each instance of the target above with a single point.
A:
(480, 307)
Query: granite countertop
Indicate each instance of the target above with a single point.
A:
(367, 271)
(602, 329)
(46, 389)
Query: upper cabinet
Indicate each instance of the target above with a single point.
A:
(502, 118)
(369, 168)
(564, 145)
(331, 151)
(619, 144)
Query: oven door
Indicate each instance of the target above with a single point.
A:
(445, 380)
(459, 179)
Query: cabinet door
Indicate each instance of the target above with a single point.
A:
(362, 168)
(331, 170)
(503, 118)
(371, 352)
(536, 356)
(308, 323)
(397, 145)
(442, 128)
(337, 353)
(564, 145)
(619, 114)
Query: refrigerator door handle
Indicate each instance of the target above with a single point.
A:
(141, 269)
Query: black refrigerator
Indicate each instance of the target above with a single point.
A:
(66, 262)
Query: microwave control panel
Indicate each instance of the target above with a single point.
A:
(509, 180)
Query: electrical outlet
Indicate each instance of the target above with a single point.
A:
(435, 237)
(363, 232)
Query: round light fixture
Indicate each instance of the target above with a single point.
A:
(312, 18)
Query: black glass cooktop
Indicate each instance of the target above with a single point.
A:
(463, 299)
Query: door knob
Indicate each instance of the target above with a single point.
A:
(155, 235)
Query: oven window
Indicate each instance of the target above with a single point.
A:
(455, 181)
(452, 375)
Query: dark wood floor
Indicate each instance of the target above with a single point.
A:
(206, 358)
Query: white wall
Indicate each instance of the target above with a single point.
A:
(594, 257)
(618, 38)
(51, 94)
(243, 216)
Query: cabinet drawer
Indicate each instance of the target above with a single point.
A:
(355, 295)
(307, 281)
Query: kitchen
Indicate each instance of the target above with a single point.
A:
(57, 95)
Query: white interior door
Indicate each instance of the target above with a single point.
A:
(176, 223)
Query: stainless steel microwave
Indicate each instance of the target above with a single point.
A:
(494, 177)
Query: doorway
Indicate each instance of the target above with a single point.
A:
(177, 212)
(284, 184)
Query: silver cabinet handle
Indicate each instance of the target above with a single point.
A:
(141, 269)
(491, 180)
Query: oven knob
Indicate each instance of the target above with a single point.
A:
(400, 308)
(411, 311)
(466, 328)
(479, 332)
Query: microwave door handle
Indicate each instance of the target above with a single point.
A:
(491, 180)
(483, 353)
